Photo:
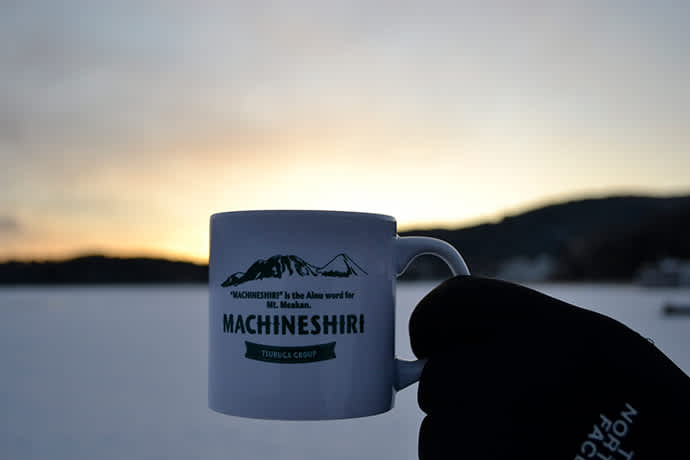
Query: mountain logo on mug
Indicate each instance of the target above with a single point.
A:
(340, 266)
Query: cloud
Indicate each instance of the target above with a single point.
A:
(89, 81)
(9, 225)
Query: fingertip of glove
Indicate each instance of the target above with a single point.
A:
(465, 308)
(436, 316)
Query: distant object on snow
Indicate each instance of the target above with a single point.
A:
(667, 272)
(670, 309)
(526, 269)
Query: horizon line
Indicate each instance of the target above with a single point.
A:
(419, 226)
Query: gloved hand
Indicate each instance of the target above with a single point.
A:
(515, 374)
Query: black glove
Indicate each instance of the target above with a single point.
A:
(515, 374)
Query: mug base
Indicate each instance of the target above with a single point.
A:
(303, 416)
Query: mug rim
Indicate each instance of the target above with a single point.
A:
(304, 211)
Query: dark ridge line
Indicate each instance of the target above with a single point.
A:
(348, 258)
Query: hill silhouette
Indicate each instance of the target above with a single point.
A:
(591, 239)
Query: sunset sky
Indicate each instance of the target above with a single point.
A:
(124, 125)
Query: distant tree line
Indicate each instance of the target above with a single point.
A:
(99, 269)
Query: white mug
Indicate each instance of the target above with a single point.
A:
(302, 313)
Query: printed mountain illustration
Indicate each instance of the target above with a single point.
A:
(277, 266)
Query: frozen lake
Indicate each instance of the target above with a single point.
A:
(120, 372)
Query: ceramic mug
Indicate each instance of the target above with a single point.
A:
(302, 313)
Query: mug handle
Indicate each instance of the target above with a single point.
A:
(407, 248)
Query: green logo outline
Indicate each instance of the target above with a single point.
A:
(290, 355)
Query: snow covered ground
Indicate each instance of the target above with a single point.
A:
(120, 372)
